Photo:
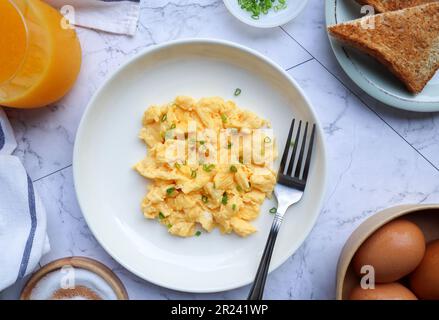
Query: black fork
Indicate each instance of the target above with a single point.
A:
(292, 177)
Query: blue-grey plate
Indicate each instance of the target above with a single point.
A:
(369, 74)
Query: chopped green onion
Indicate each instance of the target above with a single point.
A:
(234, 207)
(204, 198)
(229, 145)
(267, 140)
(208, 167)
(233, 169)
(256, 7)
(169, 226)
(201, 142)
(194, 174)
(177, 165)
(224, 118)
(239, 188)
(173, 126)
(198, 233)
(224, 199)
(273, 210)
(237, 92)
(161, 215)
(170, 190)
(164, 117)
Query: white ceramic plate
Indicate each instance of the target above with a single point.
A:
(110, 192)
(369, 74)
(271, 19)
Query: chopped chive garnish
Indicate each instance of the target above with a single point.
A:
(237, 92)
(267, 140)
(208, 167)
(164, 117)
(229, 145)
(224, 118)
(233, 169)
(224, 199)
(170, 190)
(173, 126)
(214, 185)
(258, 7)
(198, 233)
(201, 142)
(194, 174)
(204, 198)
(273, 210)
(169, 226)
(239, 188)
(234, 207)
(177, 165)
(161, 215)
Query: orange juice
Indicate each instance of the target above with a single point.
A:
(39, 57)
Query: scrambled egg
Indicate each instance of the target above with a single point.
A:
(188, 195)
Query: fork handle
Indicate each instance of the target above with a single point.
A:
(257, 290)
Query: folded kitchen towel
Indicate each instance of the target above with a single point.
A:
(116, 16)
(23, 238)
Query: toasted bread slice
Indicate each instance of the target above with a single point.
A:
(393, 5)
(406, 41)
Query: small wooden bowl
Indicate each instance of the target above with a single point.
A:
(78, 262)
(425, 216)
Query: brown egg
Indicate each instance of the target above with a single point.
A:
(384, 291)
(424, 281)
(394, 250)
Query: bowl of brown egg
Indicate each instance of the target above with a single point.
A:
(393, 255)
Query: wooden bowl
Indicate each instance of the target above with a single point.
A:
(425, 216)
(78, 262)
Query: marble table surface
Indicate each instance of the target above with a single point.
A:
(377, 156)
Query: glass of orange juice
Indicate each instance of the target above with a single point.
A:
(40, 55)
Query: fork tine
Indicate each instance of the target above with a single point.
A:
(302, 151)
(287, 147)
(308, 156)
(293, 155)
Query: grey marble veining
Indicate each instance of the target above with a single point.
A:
(372, 164)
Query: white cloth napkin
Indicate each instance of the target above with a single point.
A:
(23, 238)
(116, 16)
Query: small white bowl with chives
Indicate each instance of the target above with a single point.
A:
(265, 13)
